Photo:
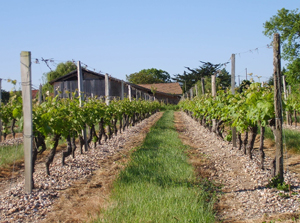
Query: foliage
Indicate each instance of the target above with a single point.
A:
(287, 24)
(276, 182)
(244, 85)
(223, 79)
(4, 96)
(61, 70)
(293, 72)
(149, 76)
(188, 79)
(255, 105)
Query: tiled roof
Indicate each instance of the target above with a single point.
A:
(170, 88)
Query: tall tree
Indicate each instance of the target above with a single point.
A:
(223, 79)
(149, 76)
(287, 24)
(188, 79)
(61, 70)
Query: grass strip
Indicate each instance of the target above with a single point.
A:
(291, 138)
(8, 154)
(159, 185)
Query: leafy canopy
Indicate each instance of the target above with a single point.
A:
(287, 24)
(61, 70)
(190, 78)
(149, 76)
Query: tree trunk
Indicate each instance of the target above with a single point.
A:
(120, 124)
(245, 142)
(69, 150)
(295, 117)
(12, 128)
(261, 147)
(51, 155)
(115, 120)
(218, 130)
(250, 144)
(81, 143)
(73, 145)
(240, 140)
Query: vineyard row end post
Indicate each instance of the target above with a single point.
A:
(285, 93)
(233, 92)
(0, 108)
(25, 59)
(278, 107)
(81, 98)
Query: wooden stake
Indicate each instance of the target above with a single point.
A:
(81, 98)
(0, 108)
(213, 86)
(203, 86)
(285, 93)
(27, 114)
(129, 92)
(107, 90)
(277, 130)
(233, 92)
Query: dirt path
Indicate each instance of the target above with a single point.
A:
(74, 192)
(83, 200)
(244, 197)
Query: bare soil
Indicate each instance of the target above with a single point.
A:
(85, 199)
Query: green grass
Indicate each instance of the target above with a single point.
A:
(8, 154)
(158, 184)
(291, 138)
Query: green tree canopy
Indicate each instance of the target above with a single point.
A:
(287, 24)
(149, 76)
(61, 70)
(189, 79)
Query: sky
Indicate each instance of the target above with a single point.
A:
(123, 37)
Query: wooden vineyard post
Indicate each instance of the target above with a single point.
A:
(213, 86)
(107, 90)
(233, 92)
(0, 108)
(213, 94)
(278, 107)
(129, 92)
(27, 114)
(285, 93)
(202, 86)
(81, 98)
(196, 88)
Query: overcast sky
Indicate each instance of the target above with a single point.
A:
(122, 37)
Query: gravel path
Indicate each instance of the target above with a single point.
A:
(16, 206)
(245, 198)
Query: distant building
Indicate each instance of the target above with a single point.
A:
(94, 85)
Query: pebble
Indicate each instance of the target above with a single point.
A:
(16, 206)
(252, 195)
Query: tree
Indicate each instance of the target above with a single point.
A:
(223, 79)
(149, 76)
(244, 85)
(287, 24)
(293, 72)
(61, 70)
(188, 80)
(4, 96)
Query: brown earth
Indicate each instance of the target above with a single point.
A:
(83, 201)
